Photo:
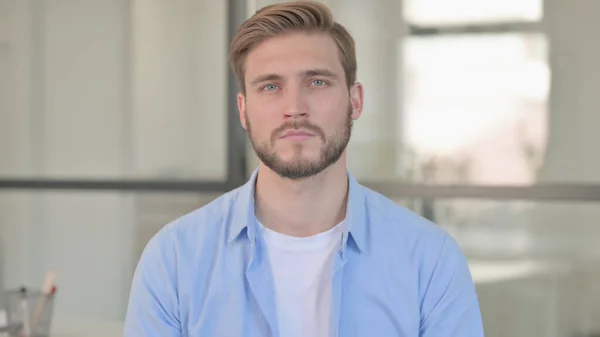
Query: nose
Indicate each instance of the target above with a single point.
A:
(295, 104)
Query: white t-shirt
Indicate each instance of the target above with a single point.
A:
(302, 272)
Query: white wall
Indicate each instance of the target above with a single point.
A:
(179, 88)
(16, 135)
(16, 85)
(83, 88)
(64, 119)
(573, 154)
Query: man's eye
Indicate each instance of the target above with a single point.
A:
(270, 87)
(318, 83)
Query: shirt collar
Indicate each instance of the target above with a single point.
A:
(244, 218)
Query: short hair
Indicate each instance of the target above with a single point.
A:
(297, 16)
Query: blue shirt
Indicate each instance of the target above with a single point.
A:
(396, 274)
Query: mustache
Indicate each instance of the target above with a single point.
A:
(297, 125)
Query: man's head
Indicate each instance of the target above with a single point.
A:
(297, 71)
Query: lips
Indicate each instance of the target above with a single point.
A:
(297, 133)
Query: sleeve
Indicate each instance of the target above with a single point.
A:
(450, 306)
(153, 308)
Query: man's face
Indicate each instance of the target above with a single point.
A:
(298, 110)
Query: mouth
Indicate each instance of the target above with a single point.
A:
(297, 135)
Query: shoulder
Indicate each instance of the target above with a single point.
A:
(204, 224)
(405, 229)
(389, 216)
(415, 241)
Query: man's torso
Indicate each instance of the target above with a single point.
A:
(226, 288)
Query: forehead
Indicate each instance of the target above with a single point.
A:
(293, 53)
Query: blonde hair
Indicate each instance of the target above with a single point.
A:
(297, 16)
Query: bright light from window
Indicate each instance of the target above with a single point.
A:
(471, 11)
(478, 97)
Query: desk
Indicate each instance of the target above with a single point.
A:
(65, 327)
(488, 272)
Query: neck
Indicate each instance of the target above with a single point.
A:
(302, 207)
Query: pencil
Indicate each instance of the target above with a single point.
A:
(47, 289)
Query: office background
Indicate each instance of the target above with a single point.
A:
(118, 116)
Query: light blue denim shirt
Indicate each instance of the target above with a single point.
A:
(396, 274)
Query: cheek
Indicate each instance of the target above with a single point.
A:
(329, 105)
(329, 115)
(260, 121)
(262, 108)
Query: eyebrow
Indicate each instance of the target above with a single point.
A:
(308, 73)
(266, 77)
(320, 72)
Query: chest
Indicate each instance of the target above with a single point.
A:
(363, 298)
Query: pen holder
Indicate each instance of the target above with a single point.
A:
(31, 311)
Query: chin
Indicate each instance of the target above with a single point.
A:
(295, 157)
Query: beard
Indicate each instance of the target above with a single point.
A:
(299, 166)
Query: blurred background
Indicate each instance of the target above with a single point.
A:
(117, 116)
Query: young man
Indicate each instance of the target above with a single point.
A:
(302, 250)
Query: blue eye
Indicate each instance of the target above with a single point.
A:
(318, 83)
(270, 87)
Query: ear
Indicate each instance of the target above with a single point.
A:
(241, 102)
(356, 100)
